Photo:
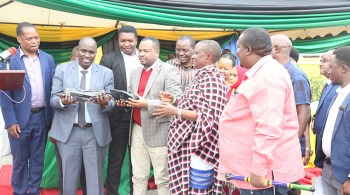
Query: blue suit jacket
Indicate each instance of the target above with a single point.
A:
(18, 113)
(340, 147)
(322, 108)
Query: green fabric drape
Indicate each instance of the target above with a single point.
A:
(323, 44)
(176, 17)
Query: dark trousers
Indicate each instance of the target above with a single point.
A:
(116, 154)
(28, 155)
(60, 174)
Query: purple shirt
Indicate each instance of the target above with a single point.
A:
(33, 69)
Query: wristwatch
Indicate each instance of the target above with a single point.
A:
(179, 113)
(309, 151)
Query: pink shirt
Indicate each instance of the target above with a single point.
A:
(33, 69)
(259, 127)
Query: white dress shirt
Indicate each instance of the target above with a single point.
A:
(131, 62)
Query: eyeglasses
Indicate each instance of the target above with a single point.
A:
(324, 60)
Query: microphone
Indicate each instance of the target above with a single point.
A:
(5, 55)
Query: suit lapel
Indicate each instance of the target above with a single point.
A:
(120, 60)
(43, 67)
(93, 76)
(342, 108)
(75, 74)
(153, 77)
(324, 95)
(21, 65)
(136, 82)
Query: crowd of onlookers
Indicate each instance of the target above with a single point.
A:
(195, 118)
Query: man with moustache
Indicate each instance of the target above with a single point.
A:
(82, 130)
(183, 61)
(122, 61)
(27, 122)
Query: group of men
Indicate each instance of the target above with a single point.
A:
(174, 123)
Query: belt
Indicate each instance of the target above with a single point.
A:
(85, 126)
(36, 110)
(328, 161)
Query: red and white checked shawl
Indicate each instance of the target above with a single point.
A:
(206, 95)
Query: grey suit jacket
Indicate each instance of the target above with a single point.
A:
(164, 77)
(67, 76)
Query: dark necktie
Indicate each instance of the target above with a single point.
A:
(81, 109)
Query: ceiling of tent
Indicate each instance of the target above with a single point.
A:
(295, 18)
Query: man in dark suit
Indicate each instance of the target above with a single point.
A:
(327, 94)
(82, 130)
(27, 112)
(121, 62)
(333, 143)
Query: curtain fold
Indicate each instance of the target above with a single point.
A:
(324, 16)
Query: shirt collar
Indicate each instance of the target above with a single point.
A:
(289, 64)
(344, 91)
(80, 68)
(151, 67)
(177, 63)
(135, 54)
(21, 53)
(251, 72)
(329, 82)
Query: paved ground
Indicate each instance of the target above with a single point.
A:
(5, 160)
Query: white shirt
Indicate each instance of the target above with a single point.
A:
(88, 77)
(131, 62)
(332, 117)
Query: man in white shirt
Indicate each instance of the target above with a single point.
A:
(333, 144)
(122, 61)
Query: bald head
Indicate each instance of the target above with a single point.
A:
(207, 52)
(212, 47)
(281, 47)
(86, 52)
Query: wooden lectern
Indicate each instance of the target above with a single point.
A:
(11, 80)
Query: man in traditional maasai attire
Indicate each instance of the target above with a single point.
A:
(193, 133)
(183, 61)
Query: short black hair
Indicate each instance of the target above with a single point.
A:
(258, 39)
(294, 53)
(189, 38)
(343, 54)
(21, 26)
(127, 29)
(154, 40)
(231, 57)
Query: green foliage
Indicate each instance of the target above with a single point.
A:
(317, 84)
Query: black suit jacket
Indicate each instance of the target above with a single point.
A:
(115, 62)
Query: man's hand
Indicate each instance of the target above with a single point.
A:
(306, 158)
(345, 190)
(164, 109)
(102, 99)
(140, 103)
(258, 181)
(166, 96)
(67, 99)
(14, 130)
